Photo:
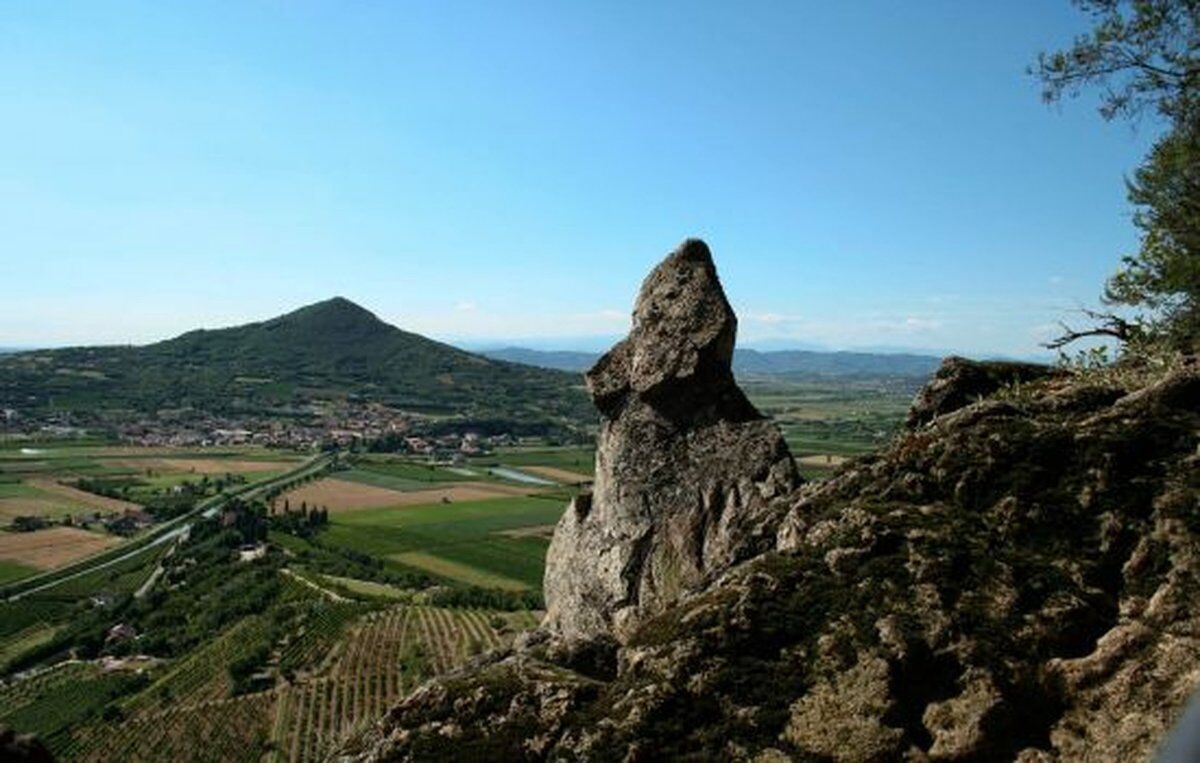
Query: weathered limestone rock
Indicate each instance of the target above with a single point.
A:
(841, 718)
(686, 468)
(960, 382)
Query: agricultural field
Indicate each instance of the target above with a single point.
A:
(279, 655)
(365, 659)
(413, 568)
(483, 524)
(43, 497)
(338, 494)
(53, 547)
(59, 502)
(574, 460)
(13, 571)
(385, 654)
(468, 542)
(825, 422)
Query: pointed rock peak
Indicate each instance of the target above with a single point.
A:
(687, 471)
(682, 337)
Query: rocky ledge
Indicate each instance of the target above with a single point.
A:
(1013, 578)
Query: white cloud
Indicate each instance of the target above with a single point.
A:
(920, 325)
(773, 319)
(466, 307)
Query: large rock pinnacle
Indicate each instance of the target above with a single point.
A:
(686, 468)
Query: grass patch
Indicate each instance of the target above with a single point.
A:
(462, 537)
(368, 588)
(581, 460)
(409, 471)
(463, 573)
(19, 490)
(10, 571)
(379, 479)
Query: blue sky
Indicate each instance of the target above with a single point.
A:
(867, 174)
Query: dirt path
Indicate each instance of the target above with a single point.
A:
(331, 595)
(560, 475)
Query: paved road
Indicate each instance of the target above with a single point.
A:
(176, 527)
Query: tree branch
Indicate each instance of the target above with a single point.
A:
(1110, 326)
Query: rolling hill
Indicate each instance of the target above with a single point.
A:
(331, 350)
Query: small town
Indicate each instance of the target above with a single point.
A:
(325, 426)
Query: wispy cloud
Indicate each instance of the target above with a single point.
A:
(917, 325)
(773, 319)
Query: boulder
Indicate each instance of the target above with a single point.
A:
(960, 382)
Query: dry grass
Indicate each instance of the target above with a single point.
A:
(28, 506)
(342, 495)
(822, 460)
(75, 495)
(458, 571)
(199, 465)
(52, 548)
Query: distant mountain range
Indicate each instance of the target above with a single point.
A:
(793, 364)
(329, 350)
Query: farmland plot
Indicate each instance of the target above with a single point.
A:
(384, 656)
(52, 548)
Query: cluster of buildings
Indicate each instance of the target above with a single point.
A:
(320, 425)
(450, 445)
(125, 523)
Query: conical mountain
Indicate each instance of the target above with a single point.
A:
(330, 350)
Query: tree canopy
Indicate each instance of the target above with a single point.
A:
(1145, 55)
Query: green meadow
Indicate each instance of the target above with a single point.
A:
(465, 541)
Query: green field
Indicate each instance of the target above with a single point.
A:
(847, 417)
(17, 489)
(574, 459)
(389, 481)
(51, 705)
(465, 536)
(10, 571)
(404, 469)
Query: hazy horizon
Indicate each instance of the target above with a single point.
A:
(586, 343)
